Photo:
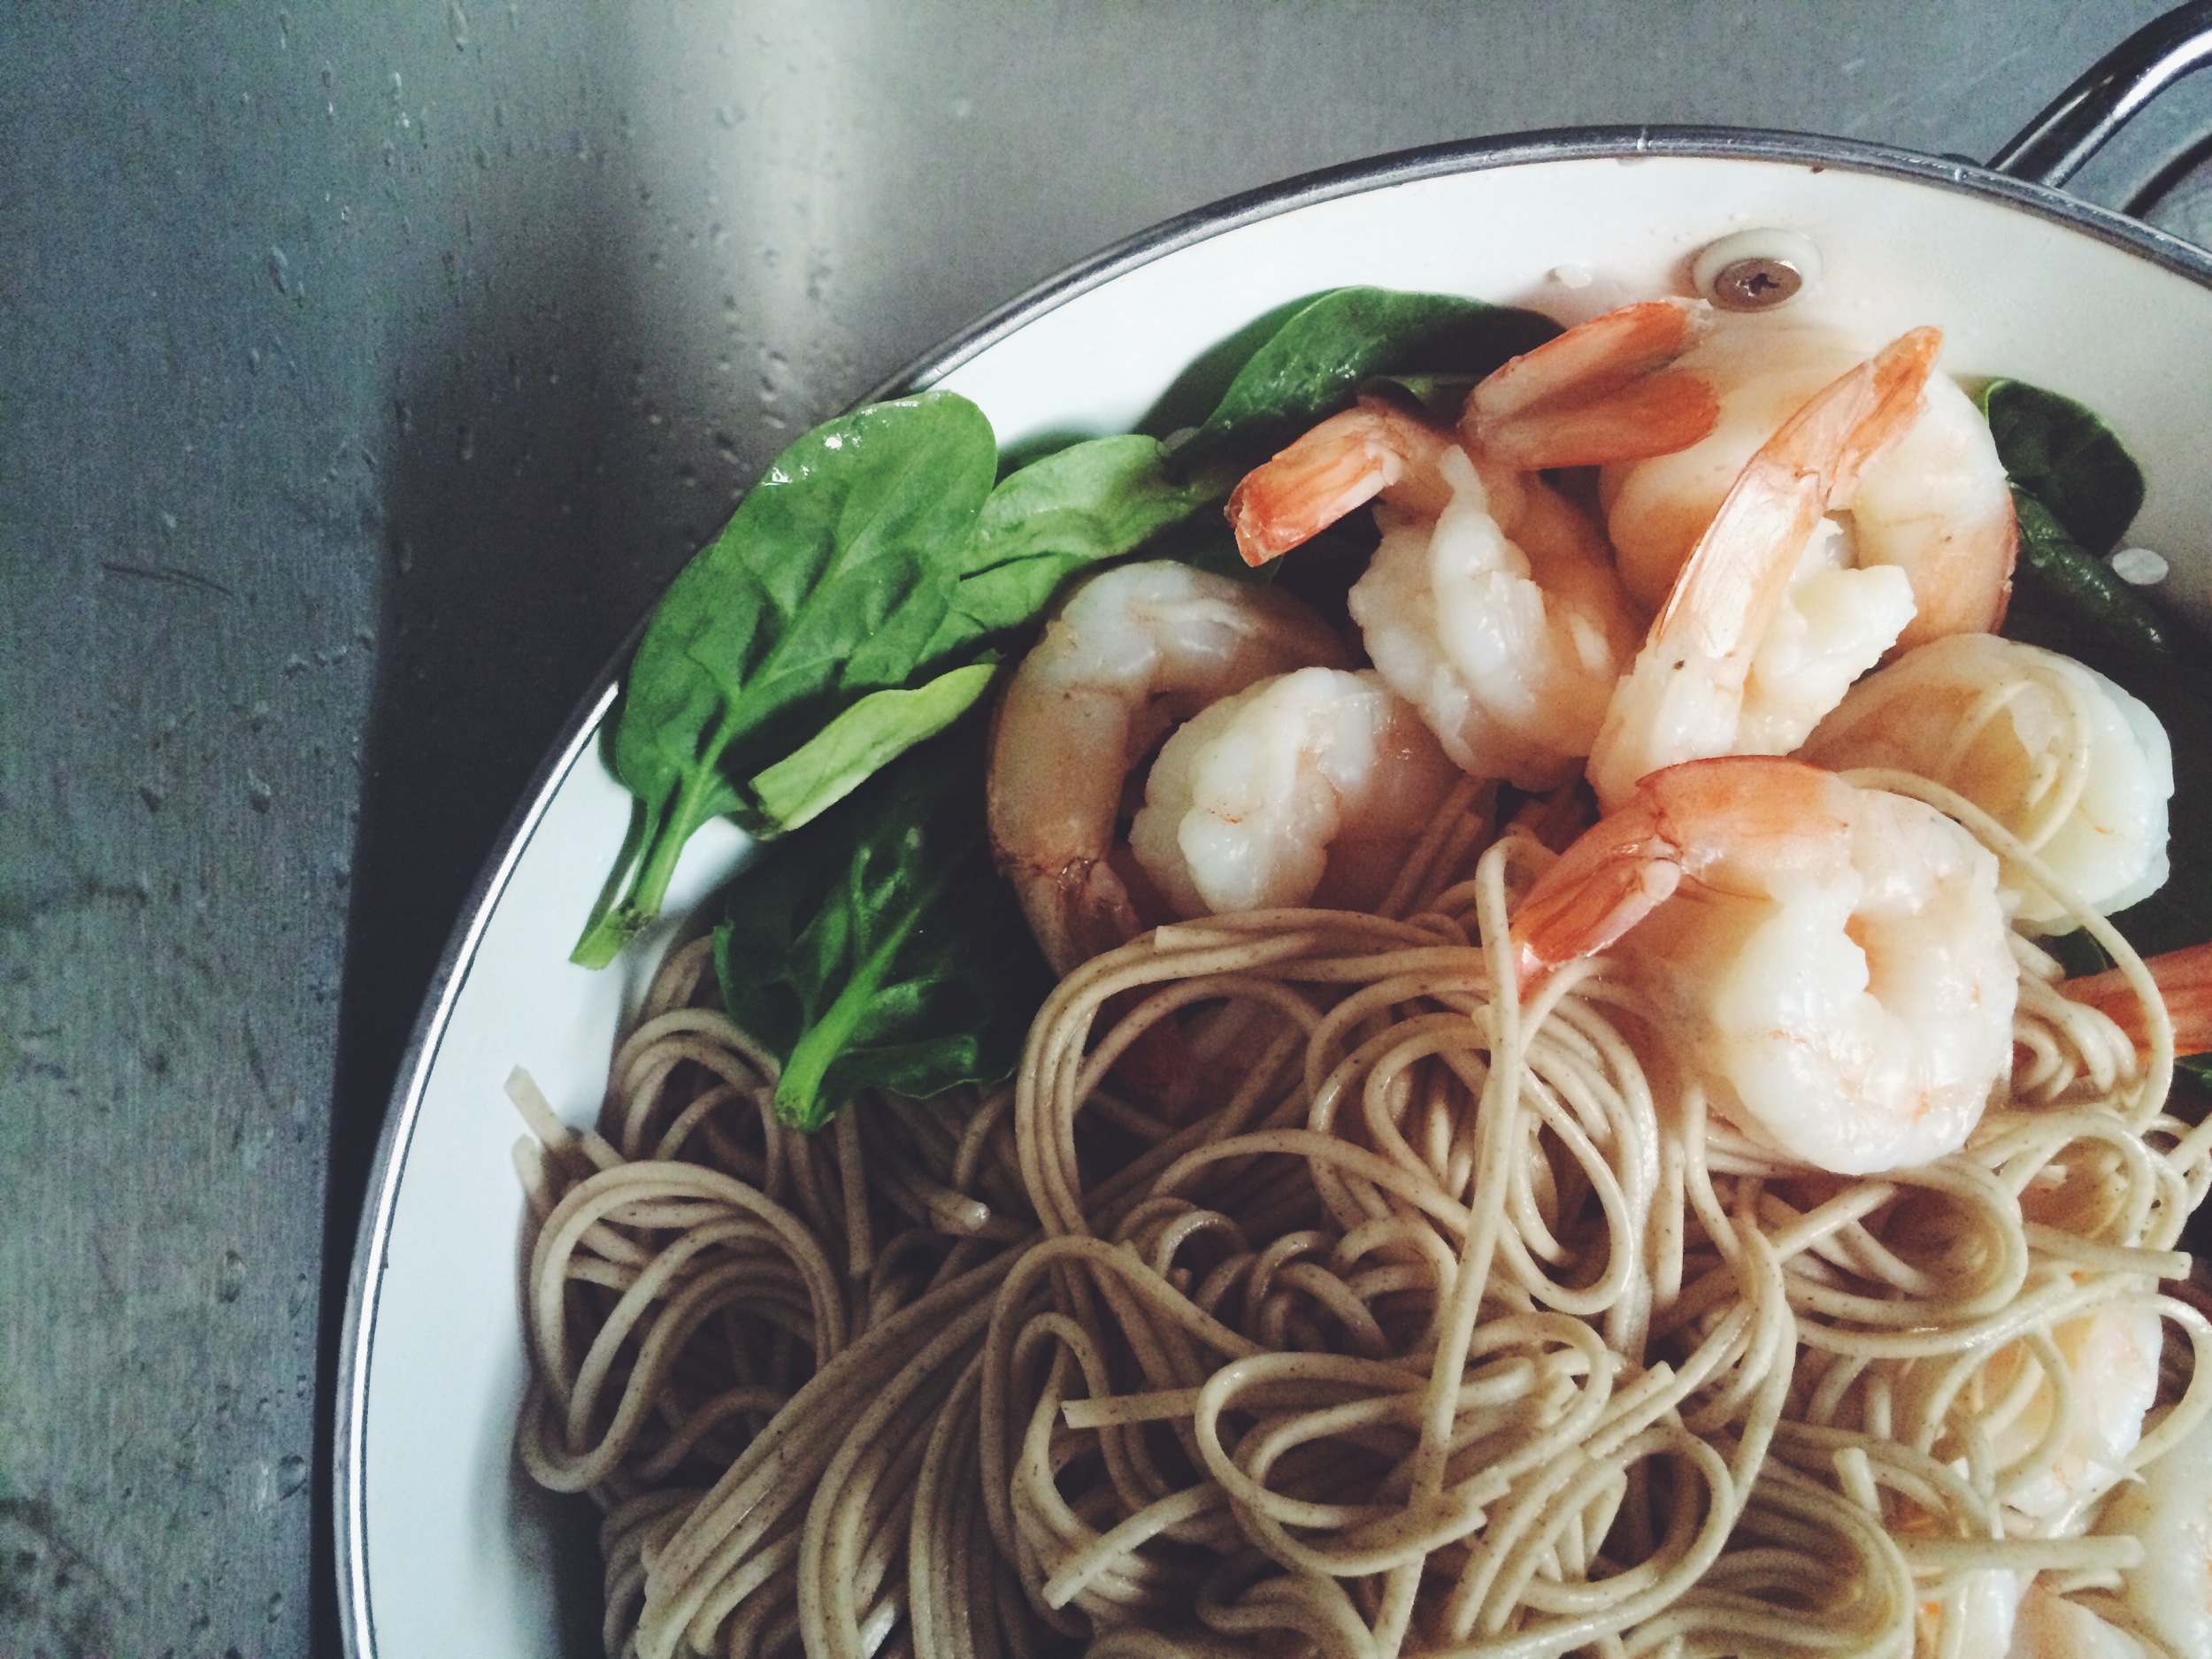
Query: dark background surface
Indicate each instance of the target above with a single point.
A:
(364, 370)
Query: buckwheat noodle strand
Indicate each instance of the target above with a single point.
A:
(1421, 1319)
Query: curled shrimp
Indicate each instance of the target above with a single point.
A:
(2049, 1626)
(2076, 767)
(2111, 1360)
(1309, 786)
(1491, 604)
(1762, 633)
(2171, 1511)
(1831, 961)
(1133, 652)
(1937, 505)
(1975, 1619)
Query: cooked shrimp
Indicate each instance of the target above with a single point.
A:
(1492, 604)
(1134, 651)
(1726, 669)
(2076, 767)
(1596, 393)
(2171, 1509)
(1500, 621)
(1831, 960)
(1311, 786)
(1936, 506)
(1976, 1619)
(2051, 1627)
(2111, 1358)
(1374, 450)
(1608, 389)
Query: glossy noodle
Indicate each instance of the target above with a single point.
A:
(1422, 1319)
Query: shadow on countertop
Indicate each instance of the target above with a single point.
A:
(502, 595)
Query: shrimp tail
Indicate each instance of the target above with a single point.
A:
(1335, 469)
(1613, 876)
(1729, 590)
(1597, 393)
(1079, 910)
(1688, 820)
(1737, 576)
(1656, 416)
(2184, 978)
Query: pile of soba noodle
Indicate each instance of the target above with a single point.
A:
(1420, 1320)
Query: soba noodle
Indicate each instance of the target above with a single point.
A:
(1421, 1320)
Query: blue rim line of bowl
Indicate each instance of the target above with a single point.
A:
(357, 1335)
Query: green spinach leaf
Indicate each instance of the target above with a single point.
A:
(1075, 508)
(1313, 364)
(861, 742)
(2064, 597)
(2068, 458)
(830, 582)
(880, 948)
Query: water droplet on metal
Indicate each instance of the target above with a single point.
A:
(1756, 269)
(291, 1475)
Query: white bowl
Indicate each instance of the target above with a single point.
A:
(443, 1546)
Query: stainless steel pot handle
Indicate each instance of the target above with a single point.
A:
(2052, 148)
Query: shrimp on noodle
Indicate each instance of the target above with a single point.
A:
(2111, 1359)
(2171, 1509)
(1307, 787)
(2051, 1627)
(1132, 653)
(1833, 961)
(2076, 767)
(1492, 604)
(1937, 505)
(1977, 1620)
(1764, 630)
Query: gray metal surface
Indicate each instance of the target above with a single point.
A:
(363, 371)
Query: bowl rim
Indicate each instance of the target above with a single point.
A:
(388, 1170)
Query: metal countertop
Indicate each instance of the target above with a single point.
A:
(365, 371)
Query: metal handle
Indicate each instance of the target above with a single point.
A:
(2052, 148)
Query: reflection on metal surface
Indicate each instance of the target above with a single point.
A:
(2178, 197)
(2085, 116)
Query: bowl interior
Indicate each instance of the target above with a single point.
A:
(445, 1547)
